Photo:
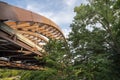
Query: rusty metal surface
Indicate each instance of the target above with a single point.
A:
(37, 28)
(28, 32)
(9, 12)
(28, 29)
(14, 51)
(20, 66)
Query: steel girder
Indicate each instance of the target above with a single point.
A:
(22, 36)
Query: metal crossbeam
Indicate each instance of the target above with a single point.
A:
(23, 35)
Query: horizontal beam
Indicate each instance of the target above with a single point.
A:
(33, 34)
(20, 66)
(17, 51)
(21, 58)
(7, 54)
(18, 42)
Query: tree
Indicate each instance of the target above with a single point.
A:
(56, 63)
(7, 74)
(95, 40)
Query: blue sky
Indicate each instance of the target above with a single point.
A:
(59, 11)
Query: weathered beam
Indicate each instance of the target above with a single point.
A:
(21, 58)
(21, 66)
(7, 54)
(17, 51)
(33, 34)
(37, 31)
(18, 42)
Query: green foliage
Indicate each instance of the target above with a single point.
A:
(55, 63)
(117, 5)
(95, 40)
(94, 47)
(56, 51)
(8, 73)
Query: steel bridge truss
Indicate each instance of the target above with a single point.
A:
(22, 37)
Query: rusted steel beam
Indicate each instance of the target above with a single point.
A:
(17, 51)
(19, 36)
(8, 53)
(6, 36)
(27, 30)
(21, 66)
(10, 12)
(21, 58)
(19, 43)
(33, 34)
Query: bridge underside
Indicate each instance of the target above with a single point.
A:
(16, 54)
(22, 37)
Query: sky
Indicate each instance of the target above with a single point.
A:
(59, 11)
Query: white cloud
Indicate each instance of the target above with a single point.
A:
(66, 32)
(58, 18)
(62, 17)
(70, 2)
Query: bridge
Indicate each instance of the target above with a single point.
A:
(23, 34)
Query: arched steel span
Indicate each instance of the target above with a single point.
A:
(29, 27)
